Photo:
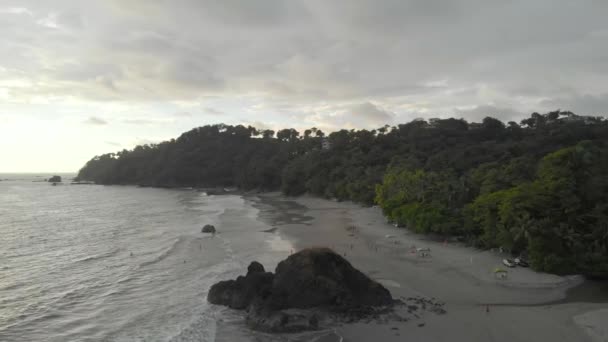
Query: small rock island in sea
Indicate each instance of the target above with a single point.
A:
(55, 179)
(208, 228)
(306, 289)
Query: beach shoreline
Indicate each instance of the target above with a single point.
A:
(527, 306)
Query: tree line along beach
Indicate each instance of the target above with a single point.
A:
(536, 188)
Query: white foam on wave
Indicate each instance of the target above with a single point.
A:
(99, 256)
(202, 329)
(278, 244)
(165, 253)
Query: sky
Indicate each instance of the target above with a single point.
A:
(83, 78)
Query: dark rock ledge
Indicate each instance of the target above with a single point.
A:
(307, 290)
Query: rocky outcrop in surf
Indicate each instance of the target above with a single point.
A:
(208, 228)
(240, 293)
(304, 289)
(55, 179)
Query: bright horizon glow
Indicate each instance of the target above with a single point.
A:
(79, 79)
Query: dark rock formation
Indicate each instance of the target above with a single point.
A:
(320, 277)
(305, 286)
(55, 179)
(240, 293)
(255, 267)
(208, 228)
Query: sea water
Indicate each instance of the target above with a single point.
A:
(121, 263)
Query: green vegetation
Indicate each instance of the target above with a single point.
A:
(560, 217)
(538, 188)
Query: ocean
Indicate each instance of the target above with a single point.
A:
(121, 263)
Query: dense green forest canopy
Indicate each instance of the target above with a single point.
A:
(537, 188)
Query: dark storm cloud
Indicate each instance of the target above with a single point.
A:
(501, 57)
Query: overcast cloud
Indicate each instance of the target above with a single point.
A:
(300, 63)
(93, 120)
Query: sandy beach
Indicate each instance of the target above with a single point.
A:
(526, 306)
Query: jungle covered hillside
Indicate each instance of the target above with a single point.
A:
(538, 187)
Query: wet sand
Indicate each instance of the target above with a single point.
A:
(526, 306)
